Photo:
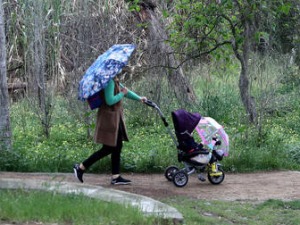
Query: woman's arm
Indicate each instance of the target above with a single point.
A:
(132, 95)
(111, 98)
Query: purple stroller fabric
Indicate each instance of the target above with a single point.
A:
(184, 124)
(185, 121)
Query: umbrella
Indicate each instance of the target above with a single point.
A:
(208, 129)
(105, 68)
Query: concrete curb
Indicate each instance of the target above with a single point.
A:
(147, 205)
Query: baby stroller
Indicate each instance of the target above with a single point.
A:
(196, 157)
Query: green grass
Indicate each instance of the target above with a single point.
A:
(150, 149)
(20, 206)
(271, 145)
(28, 206)
(271, 212)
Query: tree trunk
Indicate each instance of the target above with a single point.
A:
(164, 54)
(5, 130)
(38, 92)
(39, 66)
(247, 99)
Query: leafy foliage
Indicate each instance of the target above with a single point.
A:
(200, 27)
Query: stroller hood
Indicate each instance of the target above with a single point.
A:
(185, 121)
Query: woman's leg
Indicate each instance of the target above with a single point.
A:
(104, 151)
(115, 162)
(116, 156)
(80, 168)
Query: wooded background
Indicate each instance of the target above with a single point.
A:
(46, 46)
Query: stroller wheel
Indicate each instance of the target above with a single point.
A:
(216, 178)
(180, 178)
(170, 171)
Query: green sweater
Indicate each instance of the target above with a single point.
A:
(111, 98)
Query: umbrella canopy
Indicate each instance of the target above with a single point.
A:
(105, 68)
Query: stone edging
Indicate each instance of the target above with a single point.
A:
(147, 205)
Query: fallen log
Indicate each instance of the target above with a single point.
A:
(15, 86)
(16, 90)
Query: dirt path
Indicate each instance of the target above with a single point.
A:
(284, 185)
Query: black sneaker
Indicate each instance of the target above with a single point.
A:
(78, 172)
(120, 180)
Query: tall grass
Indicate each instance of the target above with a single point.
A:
(272, 144)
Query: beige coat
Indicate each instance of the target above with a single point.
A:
(109, 120)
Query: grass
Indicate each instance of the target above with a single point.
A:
(27, 206)
(270, 212)
(20, 206)
(150, 149)
(272, 144)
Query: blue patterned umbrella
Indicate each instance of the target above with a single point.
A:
(106, 67)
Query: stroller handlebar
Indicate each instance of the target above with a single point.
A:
(150, 103)
(153, 105)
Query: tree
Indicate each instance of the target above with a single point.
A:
(145, 10)
(202, 27)
(39, 64)
(37, 50)
(5, 130)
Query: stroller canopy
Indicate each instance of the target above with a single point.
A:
(185, 121)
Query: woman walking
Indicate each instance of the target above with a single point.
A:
(110, 130)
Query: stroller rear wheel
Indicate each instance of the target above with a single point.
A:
(216, 179)
(170, 171)
(180, 178)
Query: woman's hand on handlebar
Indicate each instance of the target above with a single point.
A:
(144, 99)
(124, 90)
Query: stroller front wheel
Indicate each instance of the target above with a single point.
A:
(216, 178)
(170, 171)
(180, 179)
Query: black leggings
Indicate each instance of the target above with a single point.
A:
(105, 151)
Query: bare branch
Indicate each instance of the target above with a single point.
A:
(191, 57)
(234, 44)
